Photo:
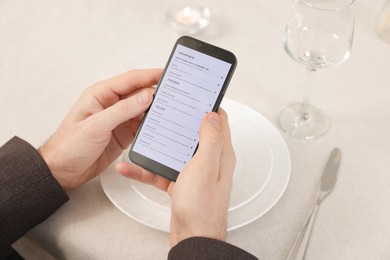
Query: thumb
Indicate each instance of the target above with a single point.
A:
(124, 110)
(210, 143)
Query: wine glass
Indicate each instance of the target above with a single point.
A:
(383, 22)
(319, 34)
(188, 17)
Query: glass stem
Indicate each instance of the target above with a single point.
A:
(306, 93)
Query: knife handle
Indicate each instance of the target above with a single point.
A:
(298, 249)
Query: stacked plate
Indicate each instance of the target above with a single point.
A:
(261, 175)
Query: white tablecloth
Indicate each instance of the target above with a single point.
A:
(50, 50)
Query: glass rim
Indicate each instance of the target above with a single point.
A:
(319, 7)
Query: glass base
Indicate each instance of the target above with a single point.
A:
(188, 18)
(303, 123)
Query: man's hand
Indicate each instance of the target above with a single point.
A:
(200, 196)
(99, 126)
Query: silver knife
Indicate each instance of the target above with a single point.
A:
(328, 181)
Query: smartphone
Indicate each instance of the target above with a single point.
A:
(194, 82)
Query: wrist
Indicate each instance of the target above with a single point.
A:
(47, 156)
(217, 232)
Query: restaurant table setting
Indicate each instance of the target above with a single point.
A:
(51, 50)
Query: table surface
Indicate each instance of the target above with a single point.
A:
(50, 50)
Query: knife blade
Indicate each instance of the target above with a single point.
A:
(329, 176)
(327, 184)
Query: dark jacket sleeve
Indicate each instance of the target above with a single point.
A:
(28, 191)
(201, 248)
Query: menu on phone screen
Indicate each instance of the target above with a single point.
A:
(187, 91)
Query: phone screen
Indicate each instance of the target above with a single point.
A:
(190, 87)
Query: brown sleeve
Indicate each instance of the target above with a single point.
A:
(28, 191)
(207, 248)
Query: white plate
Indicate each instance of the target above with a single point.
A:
(251, 173)
(261, 176)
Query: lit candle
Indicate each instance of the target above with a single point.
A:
(187, 16)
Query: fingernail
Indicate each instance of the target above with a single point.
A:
(143, 98)
(213, 118)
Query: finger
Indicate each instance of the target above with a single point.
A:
(106, 93)
(122, 111)
(228, 157)
(124, 134)
(225, 126)
(129, 81)
(210, 144)
(137, 173)
(171, 188)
